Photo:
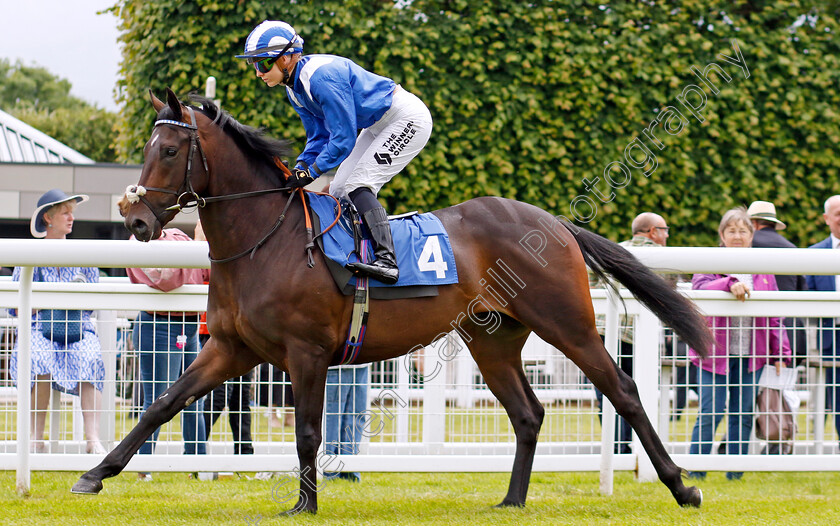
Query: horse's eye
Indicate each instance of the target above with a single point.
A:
(171, 152)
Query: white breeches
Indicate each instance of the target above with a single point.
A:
(385, 148)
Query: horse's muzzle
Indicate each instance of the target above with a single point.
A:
(140, 228)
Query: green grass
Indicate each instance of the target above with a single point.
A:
(397, 499)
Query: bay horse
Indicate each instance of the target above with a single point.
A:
(272, 307)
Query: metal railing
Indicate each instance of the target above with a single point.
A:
(445, 422)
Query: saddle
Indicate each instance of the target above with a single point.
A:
(424, 256)
(424, 253)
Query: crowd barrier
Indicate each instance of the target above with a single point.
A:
(429, 411)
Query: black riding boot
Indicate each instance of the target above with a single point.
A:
(384, 266)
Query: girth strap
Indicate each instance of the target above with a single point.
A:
(359, 318)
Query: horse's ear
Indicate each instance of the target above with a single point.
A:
(157, 104)
(174, 104)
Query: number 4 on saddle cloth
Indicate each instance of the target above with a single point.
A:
(424, 254)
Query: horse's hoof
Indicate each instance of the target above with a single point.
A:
(695, 498)
(295, 511)
(87, 486)
(509, 504)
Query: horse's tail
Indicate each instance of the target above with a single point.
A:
(605, 257)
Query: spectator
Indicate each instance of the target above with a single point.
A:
(74, 367)
(235, 393)
(274, 392)
(767, 227)
(346, 406)
(649, 230)
(167, 343)
(742, 346)
(829, 336)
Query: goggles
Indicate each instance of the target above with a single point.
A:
(264, 64)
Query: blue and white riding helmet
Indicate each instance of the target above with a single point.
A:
(270, 39)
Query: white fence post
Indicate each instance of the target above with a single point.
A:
(107, 325)
(403, 366)
(464, 369)
(434, 396)
(24, 363)
(819, 413)
(666, 375)
(646, 374)
(607, 409)
(55, 418)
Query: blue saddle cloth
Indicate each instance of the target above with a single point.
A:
(424, 254)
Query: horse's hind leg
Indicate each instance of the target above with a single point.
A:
(498, 359)
(210, 368)
(584, 347)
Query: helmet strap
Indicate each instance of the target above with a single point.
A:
(287, 75)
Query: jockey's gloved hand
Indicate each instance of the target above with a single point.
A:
(300, 176)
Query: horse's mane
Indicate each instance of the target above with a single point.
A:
(252, 141)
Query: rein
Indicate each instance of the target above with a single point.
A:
(262, 241)
(135, 193)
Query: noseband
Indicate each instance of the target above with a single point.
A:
(187, 197)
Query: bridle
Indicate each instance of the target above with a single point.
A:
(135, 193)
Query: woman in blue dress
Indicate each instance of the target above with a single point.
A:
(76, 367)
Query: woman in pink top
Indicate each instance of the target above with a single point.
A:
(167, 343)
(743, 345)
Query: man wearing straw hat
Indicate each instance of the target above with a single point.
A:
(767, 227)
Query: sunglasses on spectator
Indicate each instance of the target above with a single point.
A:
(665, 228)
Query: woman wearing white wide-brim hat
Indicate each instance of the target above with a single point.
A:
(73, 367)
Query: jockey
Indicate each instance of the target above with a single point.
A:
(335, 98)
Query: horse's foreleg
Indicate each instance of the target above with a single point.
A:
(210, 368)
(308, 374)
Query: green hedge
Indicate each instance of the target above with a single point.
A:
(534, 100)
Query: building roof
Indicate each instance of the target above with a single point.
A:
(21, 143)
